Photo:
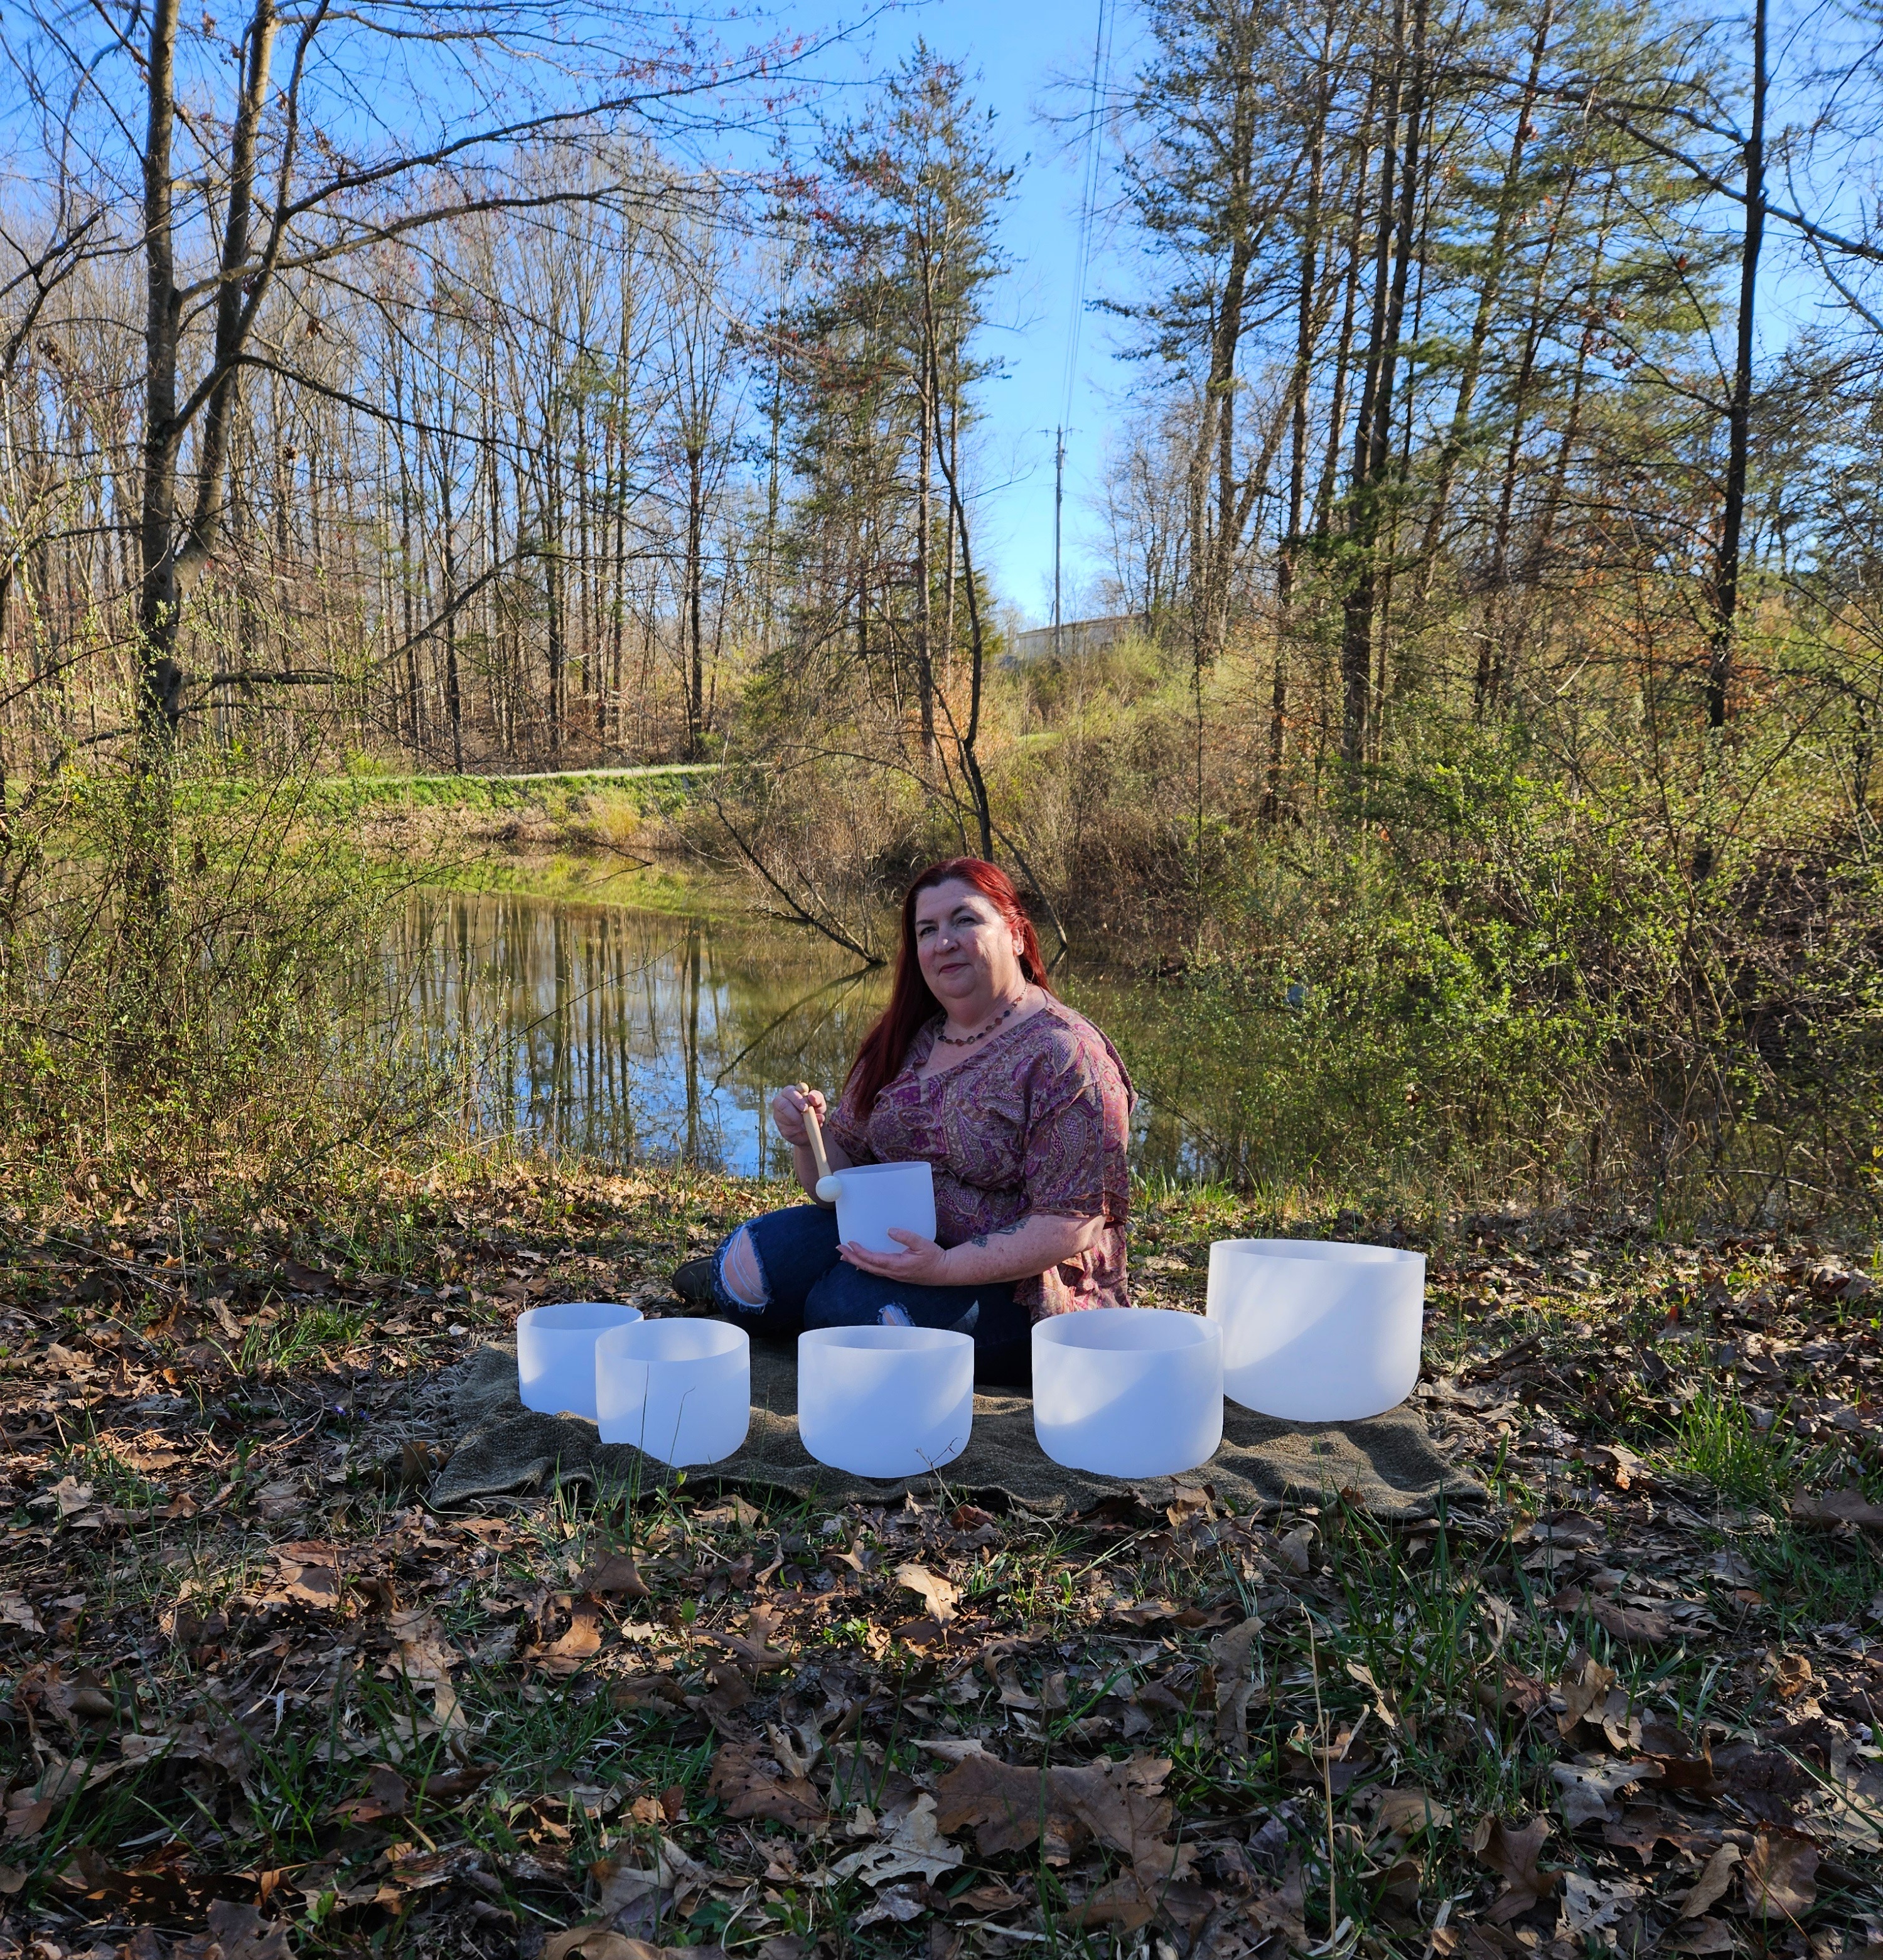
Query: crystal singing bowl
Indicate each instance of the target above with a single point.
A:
(679, 1390)
(555, 1354)
(885, 1401)
(871, 1198)
(1317, 1331)
(1127, 1392)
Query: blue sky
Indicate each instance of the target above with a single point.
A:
(1018, 50)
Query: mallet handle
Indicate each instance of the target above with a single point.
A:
(816, 1130)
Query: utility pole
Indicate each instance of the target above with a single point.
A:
(1059, 498)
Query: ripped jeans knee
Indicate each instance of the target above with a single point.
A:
(741, 1276)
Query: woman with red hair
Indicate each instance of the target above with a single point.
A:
(1021, 1106)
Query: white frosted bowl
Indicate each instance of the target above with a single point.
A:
(556, 1353)
(885, 1401)
(1317, 1331)
(679, 1390)
(871, 1198)
(1128, 1391)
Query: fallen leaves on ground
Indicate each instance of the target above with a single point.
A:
(1512, 1855)
(655, 1719)
(750, 1782)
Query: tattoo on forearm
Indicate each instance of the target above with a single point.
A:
(1000, 1232)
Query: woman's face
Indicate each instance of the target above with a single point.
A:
(966, 949)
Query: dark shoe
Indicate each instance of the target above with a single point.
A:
(694, 1282)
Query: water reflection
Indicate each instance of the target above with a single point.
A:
(628, 1036)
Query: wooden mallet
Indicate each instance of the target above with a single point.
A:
(815, 1131)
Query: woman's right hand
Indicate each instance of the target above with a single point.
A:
(787, 1113)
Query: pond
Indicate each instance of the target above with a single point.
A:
(631, 1037)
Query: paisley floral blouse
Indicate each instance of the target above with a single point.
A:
(1037, 1120)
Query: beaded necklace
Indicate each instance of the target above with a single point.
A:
(981, 1034)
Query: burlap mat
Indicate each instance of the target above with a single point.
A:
(501, 1450)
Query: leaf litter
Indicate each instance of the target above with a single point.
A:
(260, 1699)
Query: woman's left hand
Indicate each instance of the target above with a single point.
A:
(925, 1263)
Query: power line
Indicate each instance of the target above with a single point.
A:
(1089, 194)
(1088, 202)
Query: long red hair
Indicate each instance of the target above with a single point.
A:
(911, 1001)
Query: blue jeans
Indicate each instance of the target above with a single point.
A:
(807, 1285)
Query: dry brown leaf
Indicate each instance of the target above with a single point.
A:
(736, 1510)
(647, 1691)
(1710, 1887)
(1780, 1875)
(1296, 1550)
(387, 1795)
(1232, 1655)
(753, 1651)
(1127, 1903)
(1632, 1623)
(1586, 1787)
(1642, 1828)
(1383, 1703)
(1512, 1855)
(235, 1932)
(1838, 1507)
(672, 1873)
(750, 1782)
(1120, 1903)
(310, 1573)
(614, 1575)
(426, 1657)
(1406, 1810)
(914, 1846)
(1704, 1936)
(1161, 1612)
(935, 1592)
(1284, 1909)
(1791, 1674)
(600, 1942)
(1002, 1802)
(579, 1645)
(1121, 1804)
(1591, 1907)
(1512, 1693)
(1010, 1807)
(1585, 1686)
(15, 1612)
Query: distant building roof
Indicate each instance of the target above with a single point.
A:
(1077, 637)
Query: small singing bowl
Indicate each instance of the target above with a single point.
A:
(1128, 1391)
(885, 1401)
(678, 1390)
(555, 1354)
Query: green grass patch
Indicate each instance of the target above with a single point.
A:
(1719, 1443)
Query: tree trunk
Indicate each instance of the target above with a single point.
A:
(160, 678)
(928, 431)
(966, 740)
(1304, 296)
(1719, 663)
(695, 580)
(1344, 343)
(1487, 297)
(1373, 426)
(453, 703)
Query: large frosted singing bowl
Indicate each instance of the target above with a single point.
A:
(1128, 1391)
(885, 1401)
(1315, 1332)
(871, 1198)
(556, 1353)
(680, 1390)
